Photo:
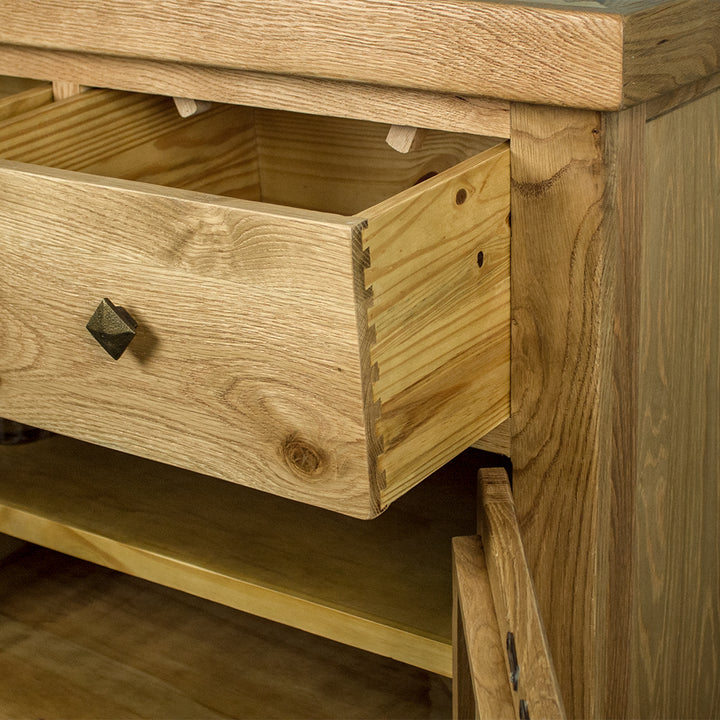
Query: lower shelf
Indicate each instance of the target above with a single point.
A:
(382, 585)
(80, 642)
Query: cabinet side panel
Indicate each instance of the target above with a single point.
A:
(676, 641)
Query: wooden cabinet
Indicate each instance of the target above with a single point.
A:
(611, 110)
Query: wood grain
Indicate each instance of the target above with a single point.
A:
(344, 166)
(668, 46)
(82, 642)
(21, 102)
(235, 337)
(687, 93)
(497, 440)
(63, 89)
(478, 48)
(140, 137)
(575, 236)
(676, 628)
(487, 693)
(223, 377)
(251, 550)
(514, 598)
(15, 85)
(441, 321)
(187, 107)
(442, 111)
(404, 138)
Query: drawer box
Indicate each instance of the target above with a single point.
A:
(319, 316)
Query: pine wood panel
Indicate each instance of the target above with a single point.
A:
(442, 111)
(384, 585)
(676, 630)
(482, 689)
(14, 85)
(336, 165)
(478, 48)
(441, 319)
(139, 137)
(79, 641)
(18, 103)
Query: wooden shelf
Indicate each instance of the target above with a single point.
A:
(382, 585)
(81, 642)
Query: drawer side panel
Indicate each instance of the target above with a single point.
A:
(440, 281)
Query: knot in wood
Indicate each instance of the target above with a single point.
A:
(303, 458)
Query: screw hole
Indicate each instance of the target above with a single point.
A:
(480, 258)
(461, 196)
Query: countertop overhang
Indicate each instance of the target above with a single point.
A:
(603, 55)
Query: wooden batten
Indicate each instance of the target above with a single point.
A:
(405, 138)
(187, 107)
(440, 316)
(64, 89)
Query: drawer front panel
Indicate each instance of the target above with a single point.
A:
(233, 371)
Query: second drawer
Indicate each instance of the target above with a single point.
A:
(319, 316)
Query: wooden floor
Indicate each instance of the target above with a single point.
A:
(80, 641)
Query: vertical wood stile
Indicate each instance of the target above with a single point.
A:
(575, 230)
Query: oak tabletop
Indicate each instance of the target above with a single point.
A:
(599, 54)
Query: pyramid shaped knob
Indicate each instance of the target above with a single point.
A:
(113, 327)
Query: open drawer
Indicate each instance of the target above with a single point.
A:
(318, 316)
(502, 666)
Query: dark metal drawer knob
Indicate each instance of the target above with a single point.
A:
(113, 327)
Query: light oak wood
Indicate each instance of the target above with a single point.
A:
(405, 138)
(478, 48)
(442, 111)
(200, 385)
(81, 642)
(353, 581)
(440, 318)
(514, 598)
(604, 56)
(24, 101)
(675, 627)
(283, 299)
(187, 107)
(482, 689)
(63, 89)
(342, 166)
